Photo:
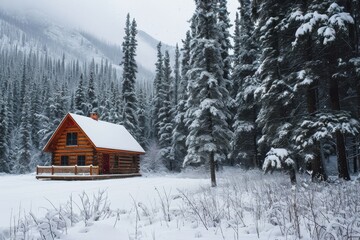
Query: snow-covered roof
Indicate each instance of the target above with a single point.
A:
(107, 135)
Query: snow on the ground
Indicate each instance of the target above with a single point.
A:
(245, 205)
(27, 193)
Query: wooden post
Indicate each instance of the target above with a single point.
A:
(37, 170)
(75, 171)
(90, 169)
(52, 169)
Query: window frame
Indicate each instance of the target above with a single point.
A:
(81, 158)
(64, 159)
(116, 161)
(72, 139)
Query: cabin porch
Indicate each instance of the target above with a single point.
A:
(75, 172)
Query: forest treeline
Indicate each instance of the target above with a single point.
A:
(281, 91)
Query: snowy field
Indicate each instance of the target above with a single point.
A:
(245, 205)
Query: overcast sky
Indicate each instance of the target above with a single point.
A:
(166, 20)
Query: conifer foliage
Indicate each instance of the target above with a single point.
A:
(207, 113)
(129, 112)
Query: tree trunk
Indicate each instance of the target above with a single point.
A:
(255, 157)
(340, 141)
(292, 173)
(355, 159)
(212, 170)
(317, 167)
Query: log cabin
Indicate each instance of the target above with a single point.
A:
(101, 147)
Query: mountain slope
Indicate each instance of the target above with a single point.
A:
(36, 33)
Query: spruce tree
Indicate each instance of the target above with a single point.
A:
(180, 131)
(24, 154)
(209, 134)
(91, 94)
(275, 93)
(177, 77)
(244, 142)
(142, 117)
(165, 114)
(80, 101)
(224, 26)
(323, 42)
(157, 88)
(4, 167)
(129, 101)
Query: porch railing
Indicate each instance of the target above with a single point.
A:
(67, 170)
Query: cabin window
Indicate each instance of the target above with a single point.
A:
(81, 160)
(116, 162)
(71, 138)
(64, 160)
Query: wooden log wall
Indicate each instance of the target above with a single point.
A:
(127, 163)
(83, 147)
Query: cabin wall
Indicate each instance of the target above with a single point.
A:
(83, 147)
(126, 163)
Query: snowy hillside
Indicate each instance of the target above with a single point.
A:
(38, 33)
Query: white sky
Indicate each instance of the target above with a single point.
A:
(166, 20)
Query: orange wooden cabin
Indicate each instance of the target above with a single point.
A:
(87, 148)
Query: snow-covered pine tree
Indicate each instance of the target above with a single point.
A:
(142, 118)
(224, 28)
(80, 101)
(35, 109)
(180, 131)
(337, 55)
(59, 108)
(209, 134)
(92, 98)
(4, 166)
(129, 101)
(115, 110)
(307, 84)
(177, 77)
(329, 28)
(244, 142)
(275, 90)
(24, 155)
(165, 118)
(157, 85)
(44, 118)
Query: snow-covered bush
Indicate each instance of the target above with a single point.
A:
(151, 161)
(277, 158)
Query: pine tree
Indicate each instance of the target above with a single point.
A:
(244, 142)
(177, 76)
(180, 132)
(209, 134)
(224, 39)
(129, 113)
(115, 110)
(4, 167)
(275, 91)
(80, 101)
(35, 109)
(142, 117)
(157, 88)
(165, 114)
(324, 53)
(24, 154)
(93, 102)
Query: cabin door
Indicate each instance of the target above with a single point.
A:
(106, 164)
